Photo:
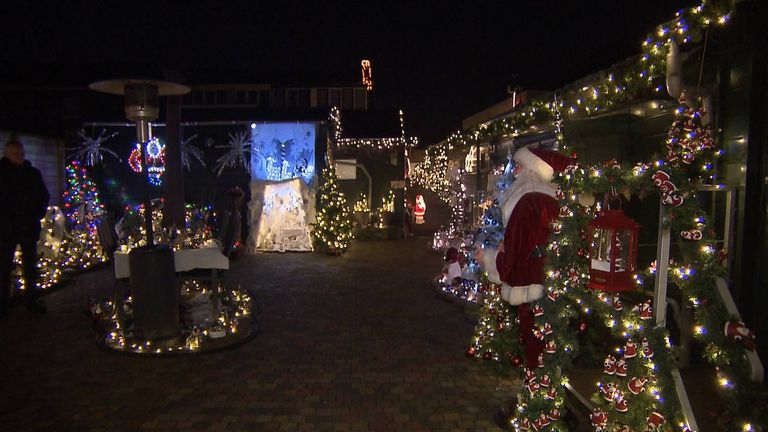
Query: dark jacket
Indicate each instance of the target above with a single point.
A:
(23, 200)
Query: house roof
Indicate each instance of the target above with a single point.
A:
(370, 124)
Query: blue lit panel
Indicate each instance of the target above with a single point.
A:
(283, 151)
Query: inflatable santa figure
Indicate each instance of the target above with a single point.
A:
(420, 209)
(529, 207)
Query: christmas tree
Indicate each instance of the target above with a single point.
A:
(333, 230)
(81, 248)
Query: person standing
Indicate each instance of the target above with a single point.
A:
(23, 202)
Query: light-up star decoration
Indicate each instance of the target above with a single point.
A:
(155, 160)
(190, 152)
(238, 152)
(90, 151)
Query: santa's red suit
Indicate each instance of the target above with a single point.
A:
(529, 207)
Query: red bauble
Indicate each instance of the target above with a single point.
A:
(581, 252)
(582, 327)
(487, 356)
(516, 360)
(470, 351)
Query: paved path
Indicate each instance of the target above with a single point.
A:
(358, 343)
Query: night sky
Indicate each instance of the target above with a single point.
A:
(440, 61)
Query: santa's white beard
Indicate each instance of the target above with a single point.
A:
(526, 181)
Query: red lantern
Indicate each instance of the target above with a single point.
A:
(613, 251)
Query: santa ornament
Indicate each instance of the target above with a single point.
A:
(454, 261)
(529, 207)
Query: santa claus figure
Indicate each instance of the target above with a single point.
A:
(420, 209)
(529, 207)
(454, 263)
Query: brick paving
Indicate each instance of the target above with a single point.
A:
(358, 343)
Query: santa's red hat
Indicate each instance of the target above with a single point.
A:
(543, 162)
(451, 255)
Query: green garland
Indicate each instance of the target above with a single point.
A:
(687, 163)
(567, 274)
(607, 89)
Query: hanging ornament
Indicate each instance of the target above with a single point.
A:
(647, 350)
(655, 421)
(630, 349)
(525, 424)
(608, 391)
(609, 365)
(551, 394)
(545, 381)
(692, 234)
(621, 403)
(736, 330)
(644, 310)
(516, 360)
(621, 368)
(550, 347)
(553, 295)
(617, 305)
(554, 414)
(598, 418)
(667, 189)
(547, 329)
(556, 227)
(582, 327)
(636, 385)
(543, 420)
(471, 351)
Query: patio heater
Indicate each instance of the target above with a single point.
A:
(152, 271)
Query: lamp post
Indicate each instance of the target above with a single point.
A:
(152, 270)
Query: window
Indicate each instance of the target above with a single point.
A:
(198, 98)
(322, 97)
(346, 98)
(221, 97)
(278, 98)
(335, 99)
(188, 99)
(241, 97)
(210, 97)
(264, 97)
(360, 98)
(304, 98)
(253, 97)
(291, 98)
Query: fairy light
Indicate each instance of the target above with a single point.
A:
(592, 97)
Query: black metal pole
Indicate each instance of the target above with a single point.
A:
(147, 196)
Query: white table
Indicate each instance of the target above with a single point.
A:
(185, 260)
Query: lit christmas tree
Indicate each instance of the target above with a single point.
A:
(83, 209)
(333, 230)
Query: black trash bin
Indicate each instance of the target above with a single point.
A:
(155, 293)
